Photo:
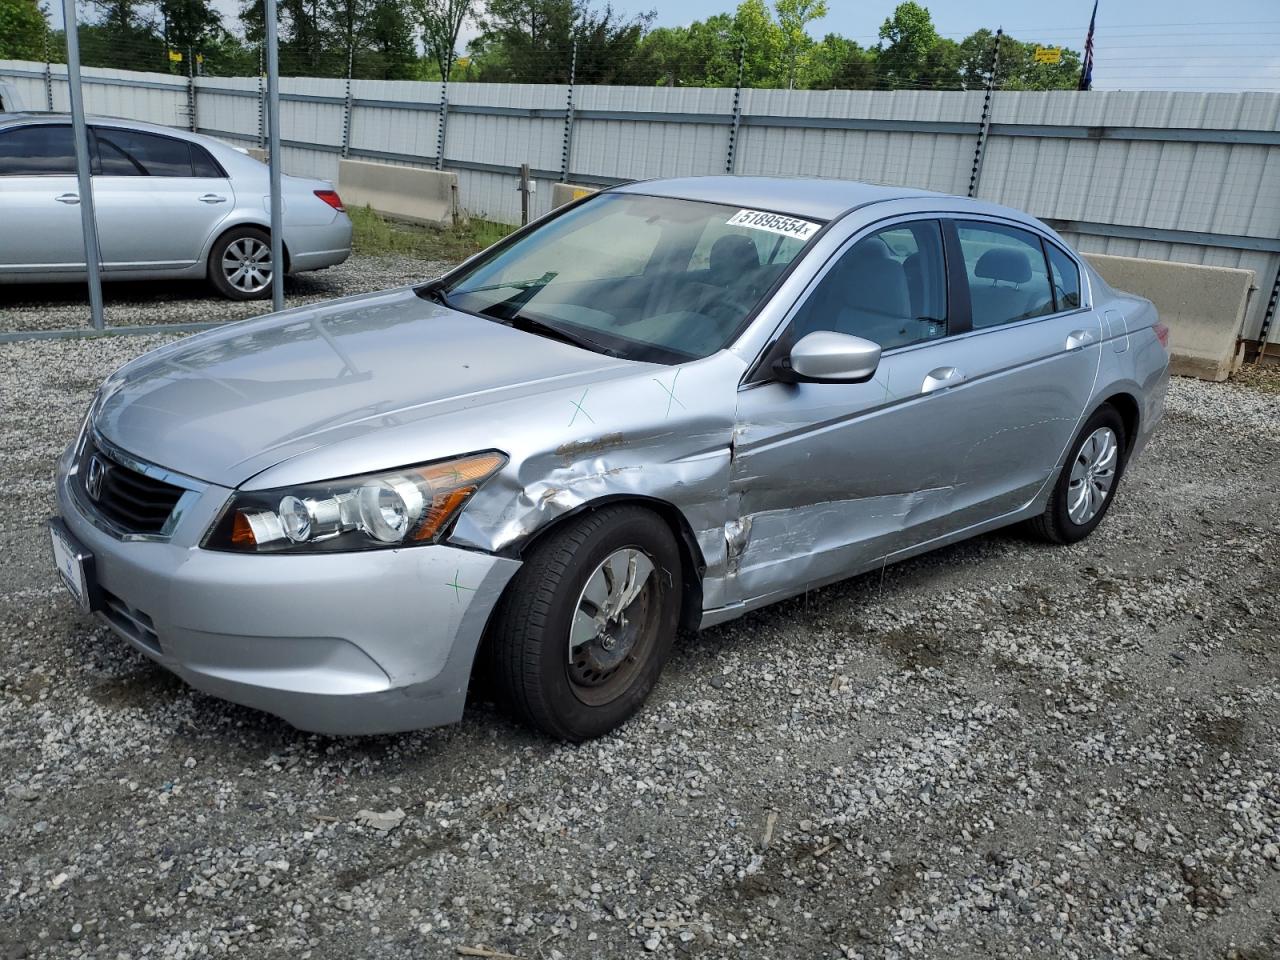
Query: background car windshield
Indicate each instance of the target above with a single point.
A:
(651, 278)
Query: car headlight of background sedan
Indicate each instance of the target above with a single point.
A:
(406, 507)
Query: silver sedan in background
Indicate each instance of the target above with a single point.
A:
(170, 205)
(657, 409)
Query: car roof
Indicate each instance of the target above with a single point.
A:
(812, 197)
(25, 117)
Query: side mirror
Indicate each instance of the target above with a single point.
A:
(825, 356)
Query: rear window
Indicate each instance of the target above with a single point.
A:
(44, 150)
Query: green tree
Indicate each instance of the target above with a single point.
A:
(441, 22)
(388, 38)
(531, 41)
(838, 63)
(188, 25)
(22, 30)
(1018, 69)
(794, 16)
(906, 39)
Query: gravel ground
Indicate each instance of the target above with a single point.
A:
(1000, 749)
(56, 306)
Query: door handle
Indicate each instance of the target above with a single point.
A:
(213, 198)
(1078, 339)
(941, 378)
(68, 198)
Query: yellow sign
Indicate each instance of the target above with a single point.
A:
(175, 56)
(199, 58)
(1048, 55)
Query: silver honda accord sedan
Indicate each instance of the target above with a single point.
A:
(169, 205)
(650, 412)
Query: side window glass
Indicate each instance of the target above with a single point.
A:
(37, 151)
(1066, 278)
(132, 153)
(203, 165)
(1008, 279)
(889, 287)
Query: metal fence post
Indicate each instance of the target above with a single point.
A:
(88, 222)
(444, 122)
(735, 122)
(524, 194)
(191, 89)
(262, 103)
(984, 125)
(1268, 317)
(48, 72)
(566, 148)
(346, 107)
(273, 132)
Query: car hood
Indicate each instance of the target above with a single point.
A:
(227, 404)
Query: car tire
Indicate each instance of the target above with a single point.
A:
(1087, 482)
(233, 248)
(552, 602)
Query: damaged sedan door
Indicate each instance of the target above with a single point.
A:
(828, 476)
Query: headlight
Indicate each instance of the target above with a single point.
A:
(398, 508)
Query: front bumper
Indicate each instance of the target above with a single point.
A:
(350, 643)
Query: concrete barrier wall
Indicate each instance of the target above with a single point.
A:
(405, 193)
(1203, 307)
(562, 193)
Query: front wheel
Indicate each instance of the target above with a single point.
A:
(585, 627)
(1087, 482)
(240, 264)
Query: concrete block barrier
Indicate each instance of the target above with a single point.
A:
(1203, 307)
(562, 193)
(404, 193)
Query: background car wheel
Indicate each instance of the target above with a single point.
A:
(585, 627)
(240, 264)
(1087, 482)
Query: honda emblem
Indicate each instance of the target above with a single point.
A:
(94, 476)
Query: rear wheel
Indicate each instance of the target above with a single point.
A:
(585, 627)
(1087, 482)
(240, 264)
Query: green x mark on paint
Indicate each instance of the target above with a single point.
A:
(671, 393)
(579, 409)
(457, 587)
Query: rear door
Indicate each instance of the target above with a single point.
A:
(1027, 368)
(40, 231)
(159, 199)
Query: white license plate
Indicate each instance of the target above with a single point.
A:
(70, 560)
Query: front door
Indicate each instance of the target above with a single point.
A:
(41, 233)
(829, 477)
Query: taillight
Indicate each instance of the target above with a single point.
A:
(332, 199)
(1162, 334)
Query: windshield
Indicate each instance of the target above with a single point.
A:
(646, 278)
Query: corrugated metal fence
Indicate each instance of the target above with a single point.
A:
(1190, 177)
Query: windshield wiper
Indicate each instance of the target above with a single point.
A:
(537, 283)
(435, 291)
(528, 324)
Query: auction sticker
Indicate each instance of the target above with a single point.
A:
(774, 223)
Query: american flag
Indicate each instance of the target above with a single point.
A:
(1086, 70)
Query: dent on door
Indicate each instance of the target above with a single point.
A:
(828, 478)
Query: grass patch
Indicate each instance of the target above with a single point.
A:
(375, 235)
(1264, 377)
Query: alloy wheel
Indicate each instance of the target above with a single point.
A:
(1092, 475)
(246, 264)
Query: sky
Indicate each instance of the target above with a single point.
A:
(1147, 44)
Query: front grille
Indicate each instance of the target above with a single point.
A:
(132, 501)
(133, 623)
